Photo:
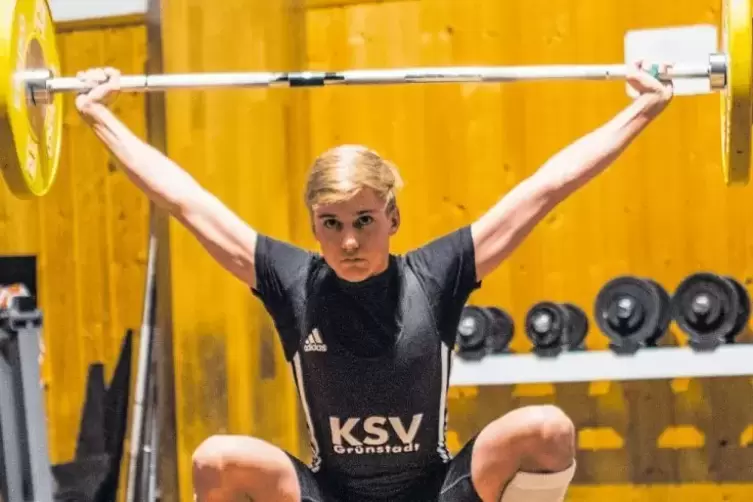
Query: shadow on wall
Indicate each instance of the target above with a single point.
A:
(94, 473)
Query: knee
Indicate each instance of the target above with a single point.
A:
(549, 443)
(209, 461)
(233, 467)
(219, 459)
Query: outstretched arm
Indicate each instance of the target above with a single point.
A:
(225, 236)
(500, 230)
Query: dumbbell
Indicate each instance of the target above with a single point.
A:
(483, 330)
(553, 327)
(633, 312)
(711, 309)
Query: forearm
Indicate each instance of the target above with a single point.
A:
(581, 161)
(161, 179)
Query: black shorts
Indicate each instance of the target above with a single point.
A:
(451, 484)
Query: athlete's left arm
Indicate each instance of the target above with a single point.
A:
(500, 230)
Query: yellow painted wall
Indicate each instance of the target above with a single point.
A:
(89, 236)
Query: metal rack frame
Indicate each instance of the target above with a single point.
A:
(655, 363)
(25, 469)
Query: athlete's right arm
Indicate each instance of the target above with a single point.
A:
(226, 237)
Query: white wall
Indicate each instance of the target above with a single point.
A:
(68, 10)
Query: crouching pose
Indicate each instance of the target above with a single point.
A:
(369, 333)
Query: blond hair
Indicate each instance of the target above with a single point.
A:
(341, 172)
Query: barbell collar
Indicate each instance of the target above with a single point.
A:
(718, 71)
(42, 86)
(35, 81)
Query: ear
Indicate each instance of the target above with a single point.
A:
(395, 220)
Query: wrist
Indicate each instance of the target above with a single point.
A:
(92, 110)
(651, 104)
(636, 116)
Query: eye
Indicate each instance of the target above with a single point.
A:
(364, 220)
(331, 223)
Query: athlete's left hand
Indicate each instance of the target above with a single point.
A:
(641, 77)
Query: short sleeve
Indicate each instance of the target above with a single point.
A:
(281, 270)
(446, 268)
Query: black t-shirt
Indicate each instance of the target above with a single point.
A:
(371, 360)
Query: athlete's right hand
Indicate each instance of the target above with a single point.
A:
(105, 86)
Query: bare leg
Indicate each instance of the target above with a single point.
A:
(533, 439)
(240, 468)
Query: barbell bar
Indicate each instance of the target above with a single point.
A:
(31, 90)
(42, 85)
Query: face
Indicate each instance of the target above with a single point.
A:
(354, 235)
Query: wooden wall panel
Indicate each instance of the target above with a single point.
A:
(231, 376)
(94, 227)
(89, 236)
(661, 211)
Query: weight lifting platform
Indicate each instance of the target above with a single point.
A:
(654, 363)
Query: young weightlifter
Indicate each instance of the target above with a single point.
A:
(368, 333)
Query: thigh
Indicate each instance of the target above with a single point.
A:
(457, 485)
(226, 467)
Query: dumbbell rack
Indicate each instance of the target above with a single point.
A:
(713, 348)
(655, 363)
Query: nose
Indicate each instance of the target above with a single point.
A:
(350, 243)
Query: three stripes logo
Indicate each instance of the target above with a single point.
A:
(314, 342)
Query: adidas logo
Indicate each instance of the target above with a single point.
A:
(314, 342)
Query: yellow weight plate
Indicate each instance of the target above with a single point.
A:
(30, 134)
(737, 98)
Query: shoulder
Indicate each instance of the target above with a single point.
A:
(446, 263)
(267, 245)
(281, 253)
(282, 266)
(454, 245)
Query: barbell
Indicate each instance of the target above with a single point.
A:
(31, 89)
